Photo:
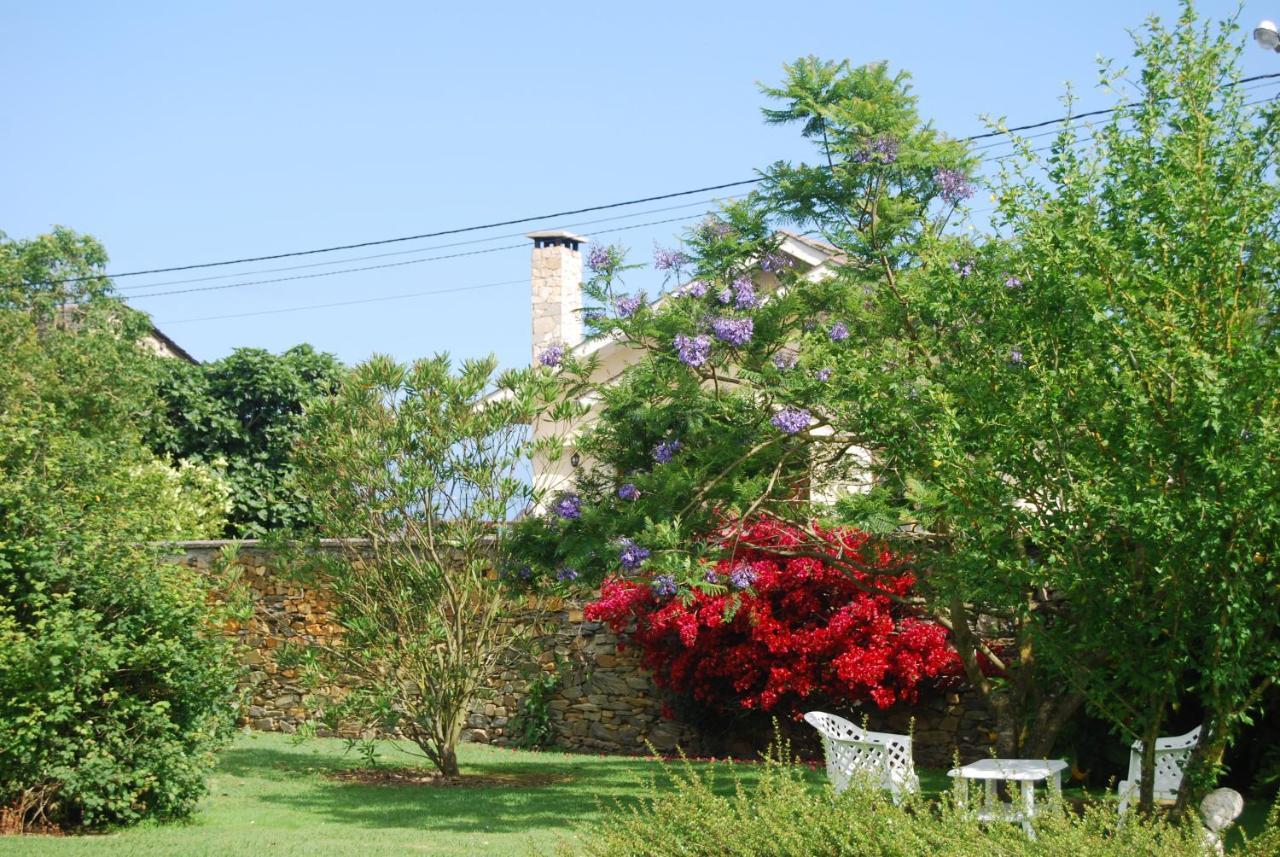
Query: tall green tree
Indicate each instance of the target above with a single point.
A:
(115, 686)
(1073, 420)
(241, 415)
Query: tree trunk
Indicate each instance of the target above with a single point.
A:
(1146, 794)
(1206, 756)
(449, 761)
(1052, 715)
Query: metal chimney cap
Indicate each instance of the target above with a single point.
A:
(557, 238)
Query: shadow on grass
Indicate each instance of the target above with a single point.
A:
(583, 784)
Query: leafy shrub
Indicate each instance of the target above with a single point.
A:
(764, 630)
(242, 415)
(692, 811)
(115, 689)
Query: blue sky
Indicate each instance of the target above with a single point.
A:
(180, 133)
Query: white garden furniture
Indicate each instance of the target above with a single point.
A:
(1171, 761)
(1025, 772)
(882, 758)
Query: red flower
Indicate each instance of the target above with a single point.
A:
(805, 626)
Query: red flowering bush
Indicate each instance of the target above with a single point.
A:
(767, 630)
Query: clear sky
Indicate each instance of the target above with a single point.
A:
(182, 132)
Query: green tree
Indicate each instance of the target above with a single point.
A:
(241, 416)
(1073, 420)
(1145, 402)
(115, 688)
(420, 468)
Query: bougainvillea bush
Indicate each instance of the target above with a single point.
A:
(766, 631)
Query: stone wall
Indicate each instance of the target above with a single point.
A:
(600, 699)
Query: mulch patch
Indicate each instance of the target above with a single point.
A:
(422, 777)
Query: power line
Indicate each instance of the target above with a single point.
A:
(1032, 126)
(350, 259)
(391, 264)
(326, 273)
(345, 303)
(383, 241)
(512, 222)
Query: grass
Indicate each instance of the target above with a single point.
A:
(272, 796)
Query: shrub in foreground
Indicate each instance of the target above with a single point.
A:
(113, 695)
(691, 810)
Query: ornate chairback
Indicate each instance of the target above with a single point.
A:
(883, 758)
(1171, 763)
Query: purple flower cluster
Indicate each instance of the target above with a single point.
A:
(567, 574)
(693, 350)
(667, 260)
(785, 359)
(632, 556)
(775, 262)
(1012, 282)
(742, 576)
(735, 331)
(693, 289)
(711, 576)
(627, 306)
(568, 507)
(665, 451)
(725, 296)
(953, 185)
(714, 227)
(664, 586)
(1015, 357)
(594, 314)
(628, 491)
(964, 269)
(552, 356)
(791, 420)
(838, 332)
(744, 293)
(883, 149)
(823, 375)
(600, 257)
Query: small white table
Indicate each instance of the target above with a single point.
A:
(1023, 771)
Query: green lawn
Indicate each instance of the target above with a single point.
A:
(270, 797)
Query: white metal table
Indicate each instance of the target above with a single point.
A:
(1025, 772)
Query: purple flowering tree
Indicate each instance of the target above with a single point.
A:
(731, 410)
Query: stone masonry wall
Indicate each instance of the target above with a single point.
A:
(600, 699)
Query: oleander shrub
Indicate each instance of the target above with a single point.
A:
(694, 810)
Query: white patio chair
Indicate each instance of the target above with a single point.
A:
(882, 757)
(1171, 762)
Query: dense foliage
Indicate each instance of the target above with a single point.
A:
(1075, 419)
(691, 811)
(241, 415)
(422, 466)
(112, 695)
(765, 631)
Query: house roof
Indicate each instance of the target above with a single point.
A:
(169, 345)
(804, 249)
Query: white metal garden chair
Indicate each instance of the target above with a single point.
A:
(883, 758)
(1171, 762)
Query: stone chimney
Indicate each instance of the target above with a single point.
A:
(556, 288)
